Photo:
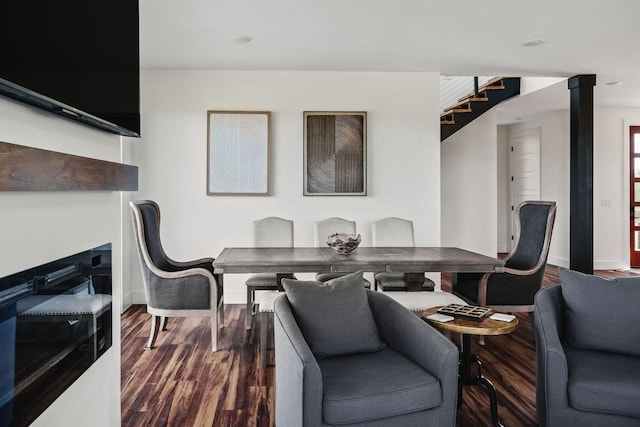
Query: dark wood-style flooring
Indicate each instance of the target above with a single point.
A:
(182, 383)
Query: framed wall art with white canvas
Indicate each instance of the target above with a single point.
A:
(238, 152)
(335, 153)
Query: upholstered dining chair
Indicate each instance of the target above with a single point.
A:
(512, 289)
(172, 288)
(394, 232)
(323, 229)
(270, 232)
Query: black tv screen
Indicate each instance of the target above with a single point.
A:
(76, 58)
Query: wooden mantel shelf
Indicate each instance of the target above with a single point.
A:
(33, 169)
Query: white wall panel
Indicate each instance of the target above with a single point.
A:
(469, 186)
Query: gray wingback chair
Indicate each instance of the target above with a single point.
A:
(588, 352)
(172, 288)
(409, 378)
(512, 289)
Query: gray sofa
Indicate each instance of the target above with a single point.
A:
(588, 352)
(398, 372)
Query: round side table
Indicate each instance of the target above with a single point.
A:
(467, 328)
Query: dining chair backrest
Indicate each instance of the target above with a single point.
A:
(273, 232)
(324, 228)
(392, 231)
(146, 220)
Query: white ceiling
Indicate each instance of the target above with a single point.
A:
(458, 37)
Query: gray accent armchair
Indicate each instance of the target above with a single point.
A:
(411, 381)
(172, 288)
(586, 385)
(513, 288)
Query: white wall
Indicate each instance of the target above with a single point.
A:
(469, 186)
(554, 176)
(403, 157)
(503, 177)
(37, 227)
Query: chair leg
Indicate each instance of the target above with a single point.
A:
(249, 311)
(220, 313)
(155, 327)
(263, 338)
(214, 332)
(163, 323)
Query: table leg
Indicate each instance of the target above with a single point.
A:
(466, 378)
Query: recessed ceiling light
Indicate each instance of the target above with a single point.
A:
(613, 83)
(534, 42)
(241, 39)
(517, 118)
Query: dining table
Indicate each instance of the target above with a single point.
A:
(412, 261)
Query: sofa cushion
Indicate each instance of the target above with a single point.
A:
(369, 386)
(601, 314)
(334, 316)
(604, 382)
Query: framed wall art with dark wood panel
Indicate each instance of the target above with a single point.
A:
(238, 152)
(335, 153)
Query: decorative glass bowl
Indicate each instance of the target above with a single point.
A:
(343, 243)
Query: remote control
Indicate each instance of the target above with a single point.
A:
(440, 317)
(502, 317)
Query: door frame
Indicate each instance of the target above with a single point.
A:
(626, 170)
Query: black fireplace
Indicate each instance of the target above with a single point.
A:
(55, 321)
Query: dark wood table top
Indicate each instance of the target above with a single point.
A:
(311, 259)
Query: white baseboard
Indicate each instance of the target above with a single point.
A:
(597, 264)
(138, 297)
(558, 262)
(610, 265)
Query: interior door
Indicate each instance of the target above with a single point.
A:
(634, 197)
(525, 171)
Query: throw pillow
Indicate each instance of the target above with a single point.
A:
(601, 314)
(334, 316)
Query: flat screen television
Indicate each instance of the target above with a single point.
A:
(76, 58)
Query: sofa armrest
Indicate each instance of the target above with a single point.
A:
(551, 362)
(408, 334)
(298, 377)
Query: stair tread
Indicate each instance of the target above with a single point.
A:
(457, 110)
(494, 80)
(490, 85)
(493, 87)
(447, 122)
(471, 98)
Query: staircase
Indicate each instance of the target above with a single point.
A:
(474, 104)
